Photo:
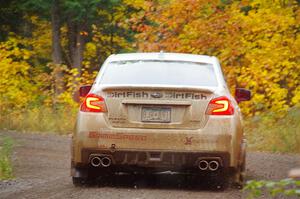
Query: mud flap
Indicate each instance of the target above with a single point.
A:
(239, 176)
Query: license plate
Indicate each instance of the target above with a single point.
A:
(150, 114)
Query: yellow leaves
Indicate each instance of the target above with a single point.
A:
(15, 86)
(90, 48)
(138, 3)
(268, 41)
(40, 41)
(66, 98)
(258, 49)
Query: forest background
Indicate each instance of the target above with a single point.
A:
(48, 49)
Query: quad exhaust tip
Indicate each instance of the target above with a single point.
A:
(212, 165)
(105, 162)
(97, 161)
(203, 165)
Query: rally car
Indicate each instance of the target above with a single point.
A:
(151, 112)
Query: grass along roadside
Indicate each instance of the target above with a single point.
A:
(42, 119)
(274, 133)
(6, 145)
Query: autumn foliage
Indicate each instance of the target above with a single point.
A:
(257, 42)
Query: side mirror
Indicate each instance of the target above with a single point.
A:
(84, 90)
(242, 94)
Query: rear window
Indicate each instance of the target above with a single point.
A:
(151, 72)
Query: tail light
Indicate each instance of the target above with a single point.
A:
(220, 106)
(93, 103)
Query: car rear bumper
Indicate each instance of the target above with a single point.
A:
(125, 160)
(96, 136)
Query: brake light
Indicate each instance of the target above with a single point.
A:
(93, 103)
(220, 106)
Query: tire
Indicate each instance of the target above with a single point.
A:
(79, 181)
(219, 182)
(83, 176)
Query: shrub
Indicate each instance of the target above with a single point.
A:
(6, 145)
(287, 187)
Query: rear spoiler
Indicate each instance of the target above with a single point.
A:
(156, 87)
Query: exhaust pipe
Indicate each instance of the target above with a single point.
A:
(105, 162)
(96, 161)
(213, 165)
(203, 165)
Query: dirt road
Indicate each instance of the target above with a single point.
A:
(41, 165)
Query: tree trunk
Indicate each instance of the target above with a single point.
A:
(79, 48)
(56, 48)
(76, 44)
(71, 40)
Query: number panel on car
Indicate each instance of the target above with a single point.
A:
(156, 114)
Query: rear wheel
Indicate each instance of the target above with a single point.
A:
(221, 182)
(83, 176)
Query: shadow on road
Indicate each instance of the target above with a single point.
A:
(159, 181)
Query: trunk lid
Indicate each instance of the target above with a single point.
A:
(157, 107)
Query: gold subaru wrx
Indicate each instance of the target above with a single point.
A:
(154, 112)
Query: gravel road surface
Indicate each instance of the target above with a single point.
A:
(41, 166)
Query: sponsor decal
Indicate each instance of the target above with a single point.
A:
(166, 95)
(117, 136)
(179, 95)
(188, 140)
(128, 94)
(117, 120)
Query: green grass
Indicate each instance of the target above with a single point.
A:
(273, 189)
(274, 132)
(6, 144)
(43, 119)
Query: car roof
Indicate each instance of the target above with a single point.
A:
(163, 56)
